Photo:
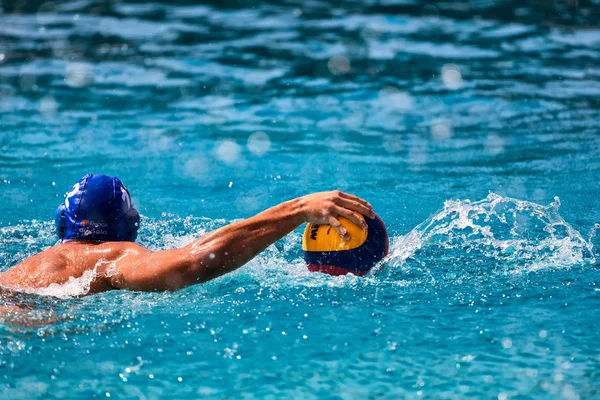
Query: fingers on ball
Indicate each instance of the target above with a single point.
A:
(356, 206)
(360, 222)
(355, 198)
(336, 224)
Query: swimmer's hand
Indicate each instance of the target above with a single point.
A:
(326, 207)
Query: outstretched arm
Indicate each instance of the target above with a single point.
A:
(231, 246)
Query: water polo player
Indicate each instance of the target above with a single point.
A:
(97, 226)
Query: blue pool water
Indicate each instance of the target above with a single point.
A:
(471, 126)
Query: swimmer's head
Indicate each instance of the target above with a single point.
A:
(98, 208)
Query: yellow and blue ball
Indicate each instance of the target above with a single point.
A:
(325, 251)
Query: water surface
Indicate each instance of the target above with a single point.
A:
(472, 127)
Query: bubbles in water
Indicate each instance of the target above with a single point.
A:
(441, 129)
(494, 144)
(48, 106)
(78, 75)
(338, 65)
(2, 56)
(452, 77)
(46, 13)
(259, 143)
(397, 99)
(227, 151)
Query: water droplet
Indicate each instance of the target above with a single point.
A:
(396, 98)
(46, 15)
(494, 144)
(558, 377)
(259, 143)
(196, 167)
(227, 151)
(569, 393)
(441, 129)
(48, 106)
(507, 343)
(78, 75)
(338, 65)
(452, 77)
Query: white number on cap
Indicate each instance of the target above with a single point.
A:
(125, 196)
(72, 193)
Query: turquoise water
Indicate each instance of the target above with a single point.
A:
(472, 128)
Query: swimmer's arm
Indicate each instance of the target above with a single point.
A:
(231, 246)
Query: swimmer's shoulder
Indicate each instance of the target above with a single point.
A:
(81, 255)
(101, 250)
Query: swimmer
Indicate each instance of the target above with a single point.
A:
(97, 226)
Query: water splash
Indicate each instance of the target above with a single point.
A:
(76, 287)
(497, 235)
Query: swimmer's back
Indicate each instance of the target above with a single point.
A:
(71, 259)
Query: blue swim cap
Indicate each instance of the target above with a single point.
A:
(98, 208)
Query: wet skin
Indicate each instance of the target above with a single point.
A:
(126, 265)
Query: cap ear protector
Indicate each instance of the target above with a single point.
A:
(132, 224)
(61, 221)
(98, 208)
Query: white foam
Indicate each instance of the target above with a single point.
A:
(75, 287)
(518, 235)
